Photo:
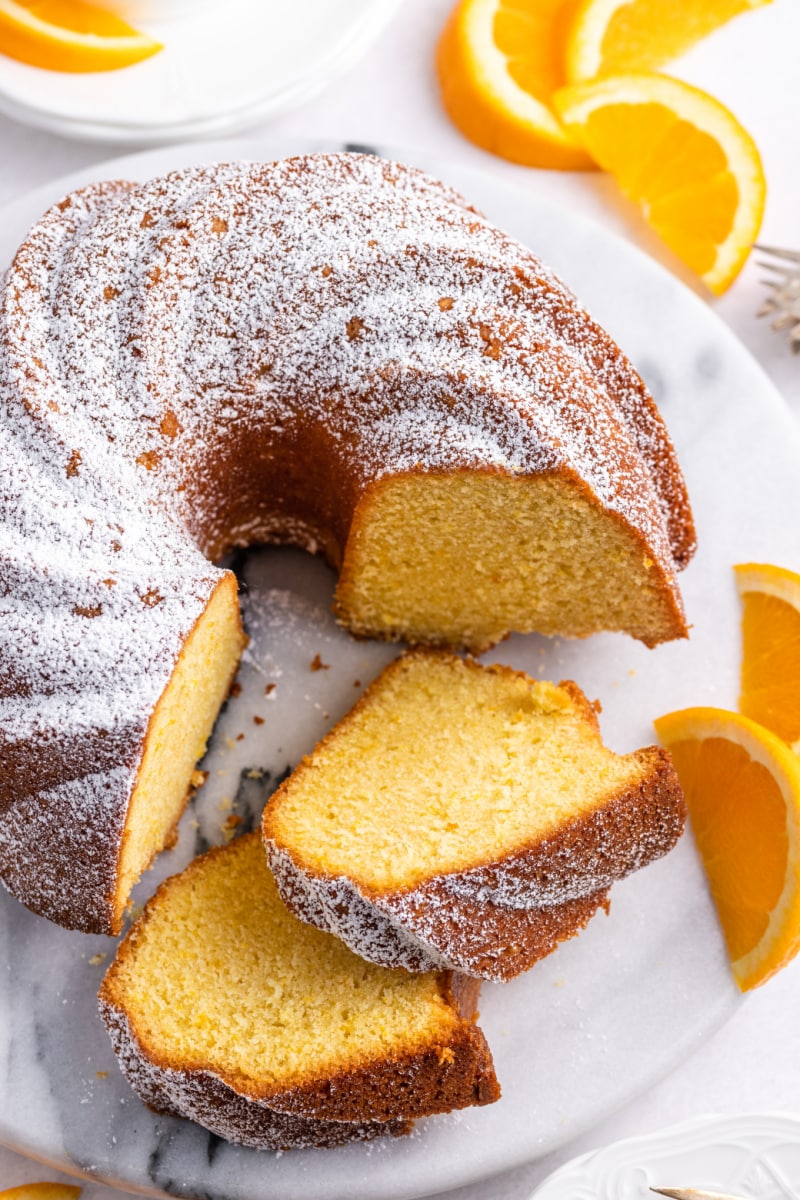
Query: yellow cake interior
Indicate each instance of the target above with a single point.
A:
(179, 729)
(444, 765)
(462, 559)
(221, 975)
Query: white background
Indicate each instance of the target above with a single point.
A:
(753, 66)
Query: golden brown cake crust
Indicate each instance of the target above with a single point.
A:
(498, 917)
(435, 1080)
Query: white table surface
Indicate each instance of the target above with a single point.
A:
(391, 97)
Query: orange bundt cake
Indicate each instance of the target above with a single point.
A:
(466, 817)
(224, 1008)
(334, 351)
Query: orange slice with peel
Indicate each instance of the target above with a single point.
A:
(499, 61)
(70, 35)
(41, 1191)
(770, 687)
(612, 37)
(742, 787)
(682, 157)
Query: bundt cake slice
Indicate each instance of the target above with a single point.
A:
(226, 1009)
(115, 656)
(465, 816)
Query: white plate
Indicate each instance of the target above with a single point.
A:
(219, 72)
(609, 1013)
(755, 1155)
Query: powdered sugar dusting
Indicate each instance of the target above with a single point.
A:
(337, 905)
(435, 926)
(151, 334)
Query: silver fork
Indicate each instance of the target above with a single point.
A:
(783, 302)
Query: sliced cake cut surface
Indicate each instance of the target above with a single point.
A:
(456, 797)
(177, 734)
(223, 1007)
(508, 554)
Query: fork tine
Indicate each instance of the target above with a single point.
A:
(777, 252)
(778, 268)
(781, 303)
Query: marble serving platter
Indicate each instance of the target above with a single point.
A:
(610, 1012)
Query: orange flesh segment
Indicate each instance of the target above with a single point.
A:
(771, 664)
(531, 36)
(631, 42)
(675, 171)
(739, 822)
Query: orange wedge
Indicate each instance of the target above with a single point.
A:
(499, 61)
(678, 153)
(68, 35)
(41, 1191)
(742, 786)
(613, 37)
(770, 690)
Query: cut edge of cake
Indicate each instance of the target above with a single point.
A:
(177, 734)
(512, 554)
